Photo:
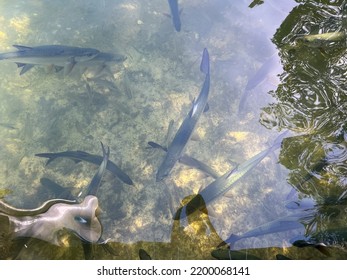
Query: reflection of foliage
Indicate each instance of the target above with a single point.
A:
(312, 98)
(255, 3)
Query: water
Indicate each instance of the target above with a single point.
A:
(301, 88)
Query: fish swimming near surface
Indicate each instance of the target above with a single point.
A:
(290, 222)
(175, 14)
(321, 40)
(224, 183)
(60, 55)
(78, 156)
(185, 131)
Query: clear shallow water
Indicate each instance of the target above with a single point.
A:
(254, 59)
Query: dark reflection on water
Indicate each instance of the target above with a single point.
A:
(311, 99)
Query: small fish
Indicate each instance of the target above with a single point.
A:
(321, 40)
(65, 56)
(78, 156)
(175, 14)
(184, 133)
(224, 183)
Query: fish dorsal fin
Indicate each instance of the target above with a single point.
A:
(22, 48)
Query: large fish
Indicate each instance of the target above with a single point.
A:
(178, 144)
(78, 156)
(290, 222)
(175, 14)
(224, 183)
(65, 56)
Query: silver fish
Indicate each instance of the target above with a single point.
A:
(290, 222)
(178, 144)
(224, 183)
(60, 55)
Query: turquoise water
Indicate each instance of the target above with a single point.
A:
(263, 81)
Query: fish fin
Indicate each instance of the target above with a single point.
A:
(46, 155)
(22, 48)
(207, 107)
(58, 68)
(205, 62)
(26, 68)
(69, 66)
(156, 145)
(143, 255)
(20, 64)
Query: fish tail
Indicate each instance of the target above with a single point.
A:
(205, 62)
(50, 157)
